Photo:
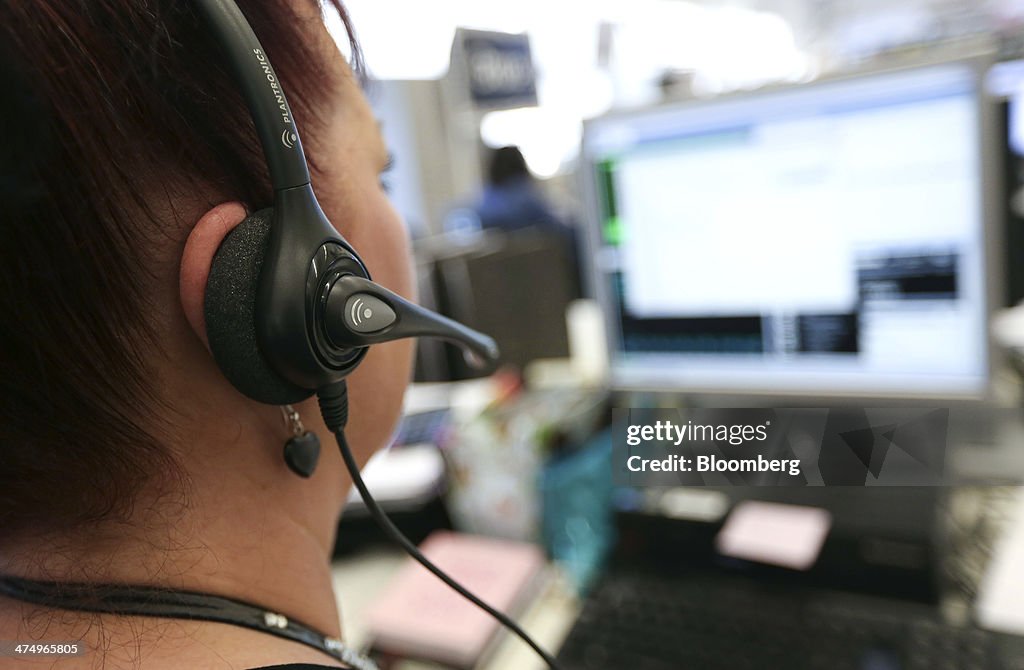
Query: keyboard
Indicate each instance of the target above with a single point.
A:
(654, 623)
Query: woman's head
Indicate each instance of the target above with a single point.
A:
(132, 156)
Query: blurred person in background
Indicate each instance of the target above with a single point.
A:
(511, 199)
(513, 202)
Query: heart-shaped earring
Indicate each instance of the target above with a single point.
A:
(302, 450)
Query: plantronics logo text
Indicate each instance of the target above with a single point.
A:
(288, 137)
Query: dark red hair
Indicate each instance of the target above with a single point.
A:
(117, 118)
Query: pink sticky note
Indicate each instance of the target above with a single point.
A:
(787, 535)
(420, 617)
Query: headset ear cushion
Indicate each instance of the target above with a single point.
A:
(230, 308)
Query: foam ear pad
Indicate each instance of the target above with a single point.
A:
(230, 308)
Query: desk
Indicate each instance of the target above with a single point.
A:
(358, 579)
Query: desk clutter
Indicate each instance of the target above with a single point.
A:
(531, 467)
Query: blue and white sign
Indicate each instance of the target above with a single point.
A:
(500, 69)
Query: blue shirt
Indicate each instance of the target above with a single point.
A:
(515, 205)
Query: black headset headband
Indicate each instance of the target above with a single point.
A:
(263, 94)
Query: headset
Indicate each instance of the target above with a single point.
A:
(290, 307)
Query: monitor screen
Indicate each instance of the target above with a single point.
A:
(826, 238)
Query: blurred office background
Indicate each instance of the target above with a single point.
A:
(726, 203)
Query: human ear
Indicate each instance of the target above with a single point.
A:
(197, 257)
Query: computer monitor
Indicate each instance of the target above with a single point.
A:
(826, 239)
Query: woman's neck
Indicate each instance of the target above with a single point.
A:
(246, 528)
